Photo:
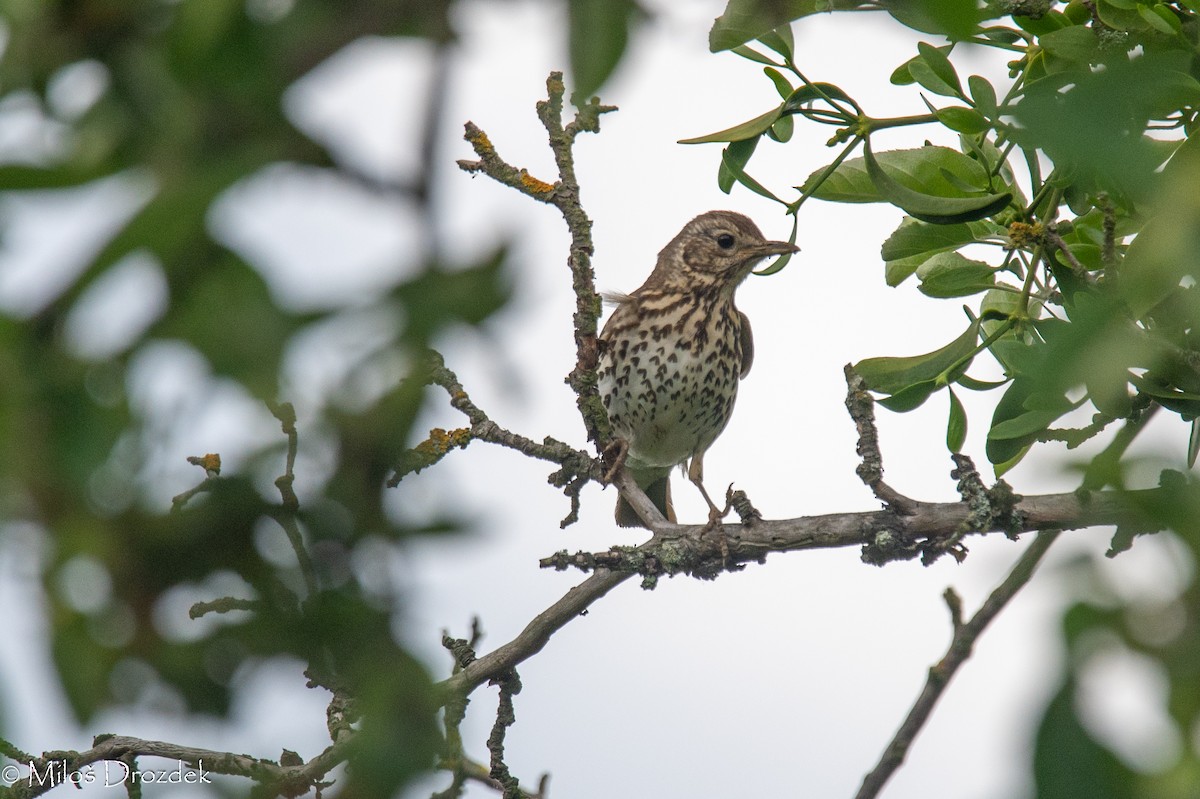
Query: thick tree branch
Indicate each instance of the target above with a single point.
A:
(883, 535)
(960, 648)
(701, 552)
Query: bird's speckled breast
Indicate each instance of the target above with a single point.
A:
(669, 373)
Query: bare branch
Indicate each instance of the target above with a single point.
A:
(960, 648)
(211, 464)
(285, 412)
(534, 637)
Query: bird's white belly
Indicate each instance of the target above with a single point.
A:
(674, 403)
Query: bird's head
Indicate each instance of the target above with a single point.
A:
(719, 247)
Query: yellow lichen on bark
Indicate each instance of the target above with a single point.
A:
(534, 185)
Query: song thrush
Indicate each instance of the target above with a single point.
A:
(674, 350)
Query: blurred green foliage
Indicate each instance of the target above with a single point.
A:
(1067, 214)
(191, 103)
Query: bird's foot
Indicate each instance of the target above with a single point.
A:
(715, 518)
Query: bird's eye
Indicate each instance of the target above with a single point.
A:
(725, 241)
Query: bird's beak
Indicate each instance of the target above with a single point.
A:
(768, 248)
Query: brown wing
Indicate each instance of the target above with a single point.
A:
(747, 346)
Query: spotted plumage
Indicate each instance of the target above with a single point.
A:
(673, 351)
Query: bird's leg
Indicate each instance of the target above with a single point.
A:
(696, 476)
(620, 447)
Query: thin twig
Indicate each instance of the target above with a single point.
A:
(960, 648)
(1056, 241)
(285, 412)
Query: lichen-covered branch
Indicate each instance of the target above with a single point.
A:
(563, 194)
(577, 467)
(454, 759)
(700, 551)
(961, 644)
(510, 685)
(861, 406)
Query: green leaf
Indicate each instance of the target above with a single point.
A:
(1092, 123)
(751, 54)
(598, 34)
(1157, 390)
(1000, 34)
(1121, 16)
(439, 296)
(745, 20)
(226, 312)
(1046, 23)
(784, 259)
(1030, 422)
(1076, 43)
(817, 92)
(984, 96)
(1108, 389)
(740, 175)
(782, 130)
(919, 169)
(938, 61)
(782, 84)
(747, 130)
(1000, 469)
(739, 153)
(950, 274)
(962, 120)
(893, 375)
(1005, 453)
(956, 425)
(925, 75)
(1184, 403)
(1159, 18)
(1163, 254)
(914, 238)
(1068, 763)
(957, 19)
(19, 177)
(915, 242)
(781, 41)
(940, 210)
(910, 398)
(968, 382)
(902, 75)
